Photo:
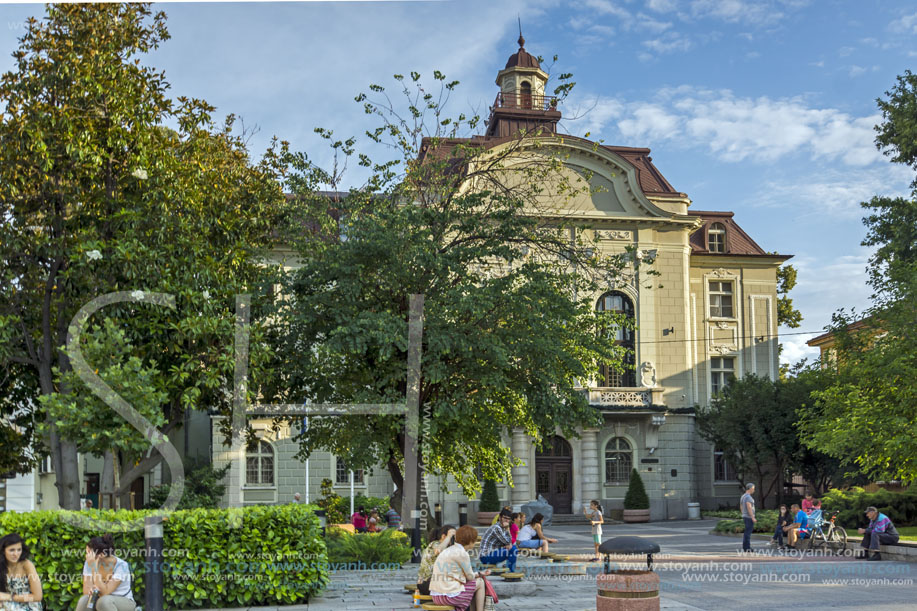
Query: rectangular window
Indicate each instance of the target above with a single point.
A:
(342, 474)
(722, 370)
(45, 465)
(721, 299)
(723, 471)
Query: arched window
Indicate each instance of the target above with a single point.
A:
(619, 460)
(259, 464)
(526, 98)
(555, 447)
(622, 376)
(716, 238)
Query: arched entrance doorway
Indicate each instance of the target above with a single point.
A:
(554, 474)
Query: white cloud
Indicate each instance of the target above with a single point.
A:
(795, 348)
(856, 70)
(736, 129)
(734, 11)
(906, 24)
(607, 7)
(838, 193)
(645, 22)
(661, 6)
(670, 42)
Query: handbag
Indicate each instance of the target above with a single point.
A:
(490, 596)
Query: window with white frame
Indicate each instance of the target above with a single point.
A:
(342, 473)
(721, 299)
(45, 466)
(716, 238)
(723, 471)
(259, 464)
(722, 370)
(619, 460)
(624, 374)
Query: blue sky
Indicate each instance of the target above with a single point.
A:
(762, 107)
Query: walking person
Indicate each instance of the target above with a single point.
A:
(596, 518)
(20, 586)
(879, 531)
(106, 578)
(747, 505)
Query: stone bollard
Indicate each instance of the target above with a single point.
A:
(627, 591)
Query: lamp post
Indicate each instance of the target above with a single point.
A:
(463, 514)
(438, 512)
(153, 563)
(322, 519)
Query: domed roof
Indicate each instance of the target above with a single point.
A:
(521, 58)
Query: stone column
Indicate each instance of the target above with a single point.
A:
(522, 446)
(232, 453)
(592, 483)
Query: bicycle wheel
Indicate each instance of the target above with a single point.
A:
(817, 539)
(838, 539)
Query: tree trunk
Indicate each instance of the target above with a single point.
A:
(63, 453)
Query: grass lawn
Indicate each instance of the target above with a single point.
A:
(908, 533)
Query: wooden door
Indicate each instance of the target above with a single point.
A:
(554, 474)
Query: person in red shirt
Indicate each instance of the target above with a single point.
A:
(810, 502)
(517, 523)
(358, 519)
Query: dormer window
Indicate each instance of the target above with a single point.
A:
(526, 95)
(716, 238)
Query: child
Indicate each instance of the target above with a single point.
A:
(783, 518)
(517, 523)
(596, 519)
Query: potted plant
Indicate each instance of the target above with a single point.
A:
(490, 503)
(636, 502)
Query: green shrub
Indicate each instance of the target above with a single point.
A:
(900, 507)
(213, 557)
(389, 547)
(636, 497)
(767, 522)
(489, 499)
(204, 488)
(332, 503)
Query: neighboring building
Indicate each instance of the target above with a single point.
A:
(826, 341)
(714, 317)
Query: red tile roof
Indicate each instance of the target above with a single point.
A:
(737, 241)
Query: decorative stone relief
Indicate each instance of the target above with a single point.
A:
(613, 234)
(722, 348)
(722, 325)
(648, 375)
(720, 272)
(623, 397)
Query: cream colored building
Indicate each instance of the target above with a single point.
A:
(710, 315)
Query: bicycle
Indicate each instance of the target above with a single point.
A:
(828, 534)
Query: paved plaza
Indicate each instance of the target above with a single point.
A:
(698, 571)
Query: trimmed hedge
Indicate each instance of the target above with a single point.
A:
(767, 522)
(262, 555)
(900, 507)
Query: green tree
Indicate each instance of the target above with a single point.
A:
(636, 497)
(490, 501)
(510, 328)
(869, 414)
(204, 487)
(97, 195)
(786, 313)
(752, 423)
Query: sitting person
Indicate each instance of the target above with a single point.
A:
(879, 531)
(517, 523)
(532, 536)
(358, 519)
(783, 518)
(798, 529)
(497, 545)
(20, 585)
(106, 574)
(808, 503)
(497, 517)
(453, 581)
(440, 539)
